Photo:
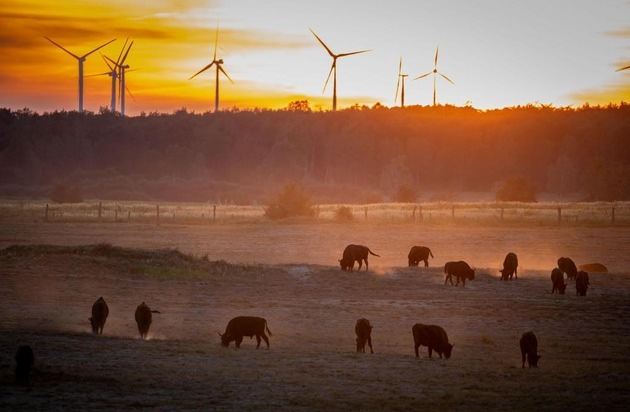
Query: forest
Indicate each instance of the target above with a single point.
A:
(357, 155)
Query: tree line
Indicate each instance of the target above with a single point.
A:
(358, 155)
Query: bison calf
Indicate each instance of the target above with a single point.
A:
(355, 253)
(459, 269)
(529, 349)
(100, 311)
(144, 318)
(510, 265)
(581, 283)
(557, 281)
(417, 254)
(363, 329)
(245, 326)
(567, 266)
(432, 336)
(24, 359)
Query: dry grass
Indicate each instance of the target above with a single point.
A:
(311, 306)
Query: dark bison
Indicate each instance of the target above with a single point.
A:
(24, 359)
(245, 326)
(459, 269)
(144, 318)
(529, 349)
(363, 330)
(354, 253)
(419, 253)
(581, 283)
(432, 336)
(593, 267)
(100, 311)
(567, 266)
(557, 281)
(510, 265)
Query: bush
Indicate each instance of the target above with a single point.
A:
(517, 189)
(66, 193)
(405, 194)
(344, 213)
(292, 201)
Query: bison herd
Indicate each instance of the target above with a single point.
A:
(434, 337)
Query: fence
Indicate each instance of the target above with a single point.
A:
(580, 213)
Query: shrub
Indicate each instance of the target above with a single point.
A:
(344, 213)
(405, 194)
(66, 193)
(292, 201)
(517, 189)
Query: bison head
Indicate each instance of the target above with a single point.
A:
(533, 360)
(448, 349)
(471, 274)
(225, 339)
(344, 264)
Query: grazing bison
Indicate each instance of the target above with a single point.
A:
(529, 349)
(581, 283)
(363, 330)
(567, 266)
(144, 318)
(593, 267)
(459, 269)
(245, 326)
(25, 359)
(418, 253)
(432, 336)
(354, 253)
(557, 281)
(510, 265)
(100, 311)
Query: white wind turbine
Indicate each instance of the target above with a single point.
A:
(81, 59)
(122, 70)
(435, 72)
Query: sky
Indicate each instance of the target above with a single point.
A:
(498, 53)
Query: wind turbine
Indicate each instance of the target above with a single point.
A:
(333, 68)
(401, 79)
(81, 59)
(219, 68)
(435, 73)
(120, 65)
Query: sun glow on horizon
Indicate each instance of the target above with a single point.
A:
(497, 53)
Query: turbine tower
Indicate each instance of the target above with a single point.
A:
(333, 68)
(401, 80)
(218, 68)
(81, 59)
(435, 73)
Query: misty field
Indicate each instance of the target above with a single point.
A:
(201, 276)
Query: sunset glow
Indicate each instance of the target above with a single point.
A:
(497, 53)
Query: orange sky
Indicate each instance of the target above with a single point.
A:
(498, 53)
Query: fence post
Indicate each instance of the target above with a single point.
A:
(453, 212)
(559, 215)
(100, 208)
(413, 214)
(420, 215)
(157, 211)
(116, 215)
(46, 212)
(501, 213)
(214, 213)
(365, 212)
(128, 215)
(613, 216)
(317, 212)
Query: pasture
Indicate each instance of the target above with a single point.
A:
(288, 273)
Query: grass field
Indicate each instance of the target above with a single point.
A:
(288, 273)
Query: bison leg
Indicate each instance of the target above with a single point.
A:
(430, 352)
(426, 263)
(238, 341)
(417, 345)
(523, 358)
(448, 277)
(369, 341)
(265, 339)
(360, 264)
(366, 264)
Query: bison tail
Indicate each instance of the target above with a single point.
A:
(268, 331)
(373, 253)
(431, 254)
(156, 311)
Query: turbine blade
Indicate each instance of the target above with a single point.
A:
(323, 44)
(126, 53)
(201, 71)
(216, 44)
(99, 47)
(62, 48)
(129, 92)
(329, 73)
(424, 75)
(445, 77)
(623, 68)
(99, 74)
(223, 71)
(351, 53)
(436, 55)
(115, 64)
(400, 66)
(397, 85)
(122, 51)
(106, 62)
